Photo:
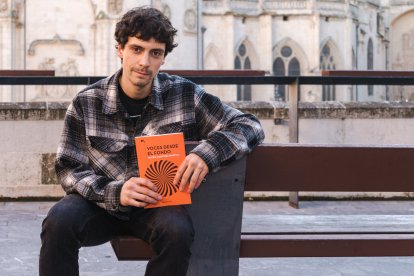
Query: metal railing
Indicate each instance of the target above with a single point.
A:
(294, 83)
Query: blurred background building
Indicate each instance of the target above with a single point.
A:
(281, 37)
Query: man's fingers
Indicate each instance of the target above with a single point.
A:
(196, 179)
(201, 178)
(191, 172)
(179, 174)
(139, 192)
(185, 178)
(193, 177)
(142, 193)
(144, 182)
(146, 187)
(135, 203)
(147, 198)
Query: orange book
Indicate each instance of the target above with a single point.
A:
(159, 157)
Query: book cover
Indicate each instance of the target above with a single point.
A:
(159, 157)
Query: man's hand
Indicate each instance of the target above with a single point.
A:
(191, 172)
(139, 192)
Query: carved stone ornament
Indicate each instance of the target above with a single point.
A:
(68, 67)
(190, 20)
(408, 49)
(3, 5)
(56, 40)
(115, 6)
(166, 10)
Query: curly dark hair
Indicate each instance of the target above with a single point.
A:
(146, 23)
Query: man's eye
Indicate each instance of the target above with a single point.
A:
(157, 53)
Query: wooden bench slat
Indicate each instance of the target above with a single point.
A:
(312, 245)
(31, 73)
(330, 168)
(131, 248)
(324, 247)
(328, 223)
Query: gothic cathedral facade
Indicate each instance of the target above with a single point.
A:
(281, 37)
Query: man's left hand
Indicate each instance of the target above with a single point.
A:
(191, 172)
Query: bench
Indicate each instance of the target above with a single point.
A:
(293, 167)
(27, 73)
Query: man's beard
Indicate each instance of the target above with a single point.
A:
(144, 83)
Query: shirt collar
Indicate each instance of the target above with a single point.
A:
(112, 103)
(156, 94)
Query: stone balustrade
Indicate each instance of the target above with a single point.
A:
(29, 134)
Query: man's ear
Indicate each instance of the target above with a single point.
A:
(120, 51)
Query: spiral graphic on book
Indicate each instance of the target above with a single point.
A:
(162, 173)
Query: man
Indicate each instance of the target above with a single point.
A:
(96, 160)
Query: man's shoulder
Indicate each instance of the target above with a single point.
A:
(174, 83)
(98, 89)
(165, 78)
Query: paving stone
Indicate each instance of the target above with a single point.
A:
(20, 224)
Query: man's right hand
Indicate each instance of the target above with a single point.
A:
(139, 192)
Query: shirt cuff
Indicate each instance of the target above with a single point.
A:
(113, 197)
(209, 153)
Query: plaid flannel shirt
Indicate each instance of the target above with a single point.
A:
(96, 154)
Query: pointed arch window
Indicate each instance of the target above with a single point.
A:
(242, 61)
(370, 64)
(354, 67)
(294, 67)
(285, 64)
(327, 62)
(279, 70)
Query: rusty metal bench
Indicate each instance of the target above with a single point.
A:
(273, 167)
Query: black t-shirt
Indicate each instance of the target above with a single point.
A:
(132, 106)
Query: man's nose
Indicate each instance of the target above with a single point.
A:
(145, 59)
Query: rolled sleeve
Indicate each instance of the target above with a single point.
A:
(112, 197)
(209, 154)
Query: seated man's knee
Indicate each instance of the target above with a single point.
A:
(57, 222)
(63, 218)
(177, 225)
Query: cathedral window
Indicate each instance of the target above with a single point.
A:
(242, 61)
(370, 64)
(285, 64)
(327, 62)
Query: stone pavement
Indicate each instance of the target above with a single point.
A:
(20, 227)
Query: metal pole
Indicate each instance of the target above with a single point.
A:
(294, 90)
(200, 52)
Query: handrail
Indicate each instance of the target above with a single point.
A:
(367, 73)
(235, 72)
(224, 80)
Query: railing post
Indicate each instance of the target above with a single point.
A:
(294, 90)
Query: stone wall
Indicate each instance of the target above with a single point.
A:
(29, 134)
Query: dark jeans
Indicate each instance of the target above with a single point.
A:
(74, 222)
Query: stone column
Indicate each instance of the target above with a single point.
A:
(106, 61)
(11, 52)
(264, 48)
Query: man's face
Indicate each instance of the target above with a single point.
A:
(141, 62)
